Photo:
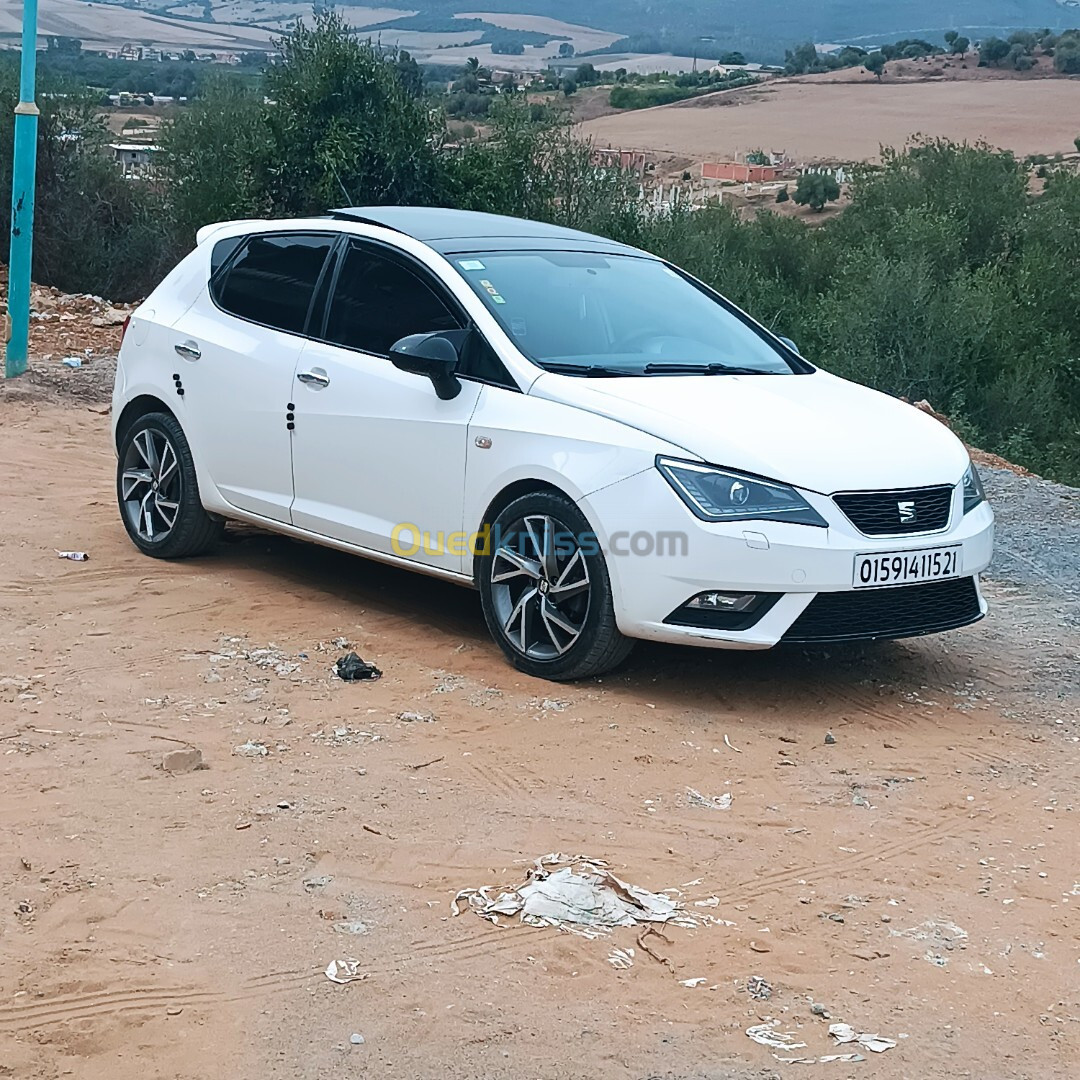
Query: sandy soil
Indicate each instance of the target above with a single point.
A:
(828, 120)
(918, 876)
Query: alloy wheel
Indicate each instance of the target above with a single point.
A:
(540, 587)
(151, 485)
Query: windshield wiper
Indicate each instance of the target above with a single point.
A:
(588, 371)
(702, 369)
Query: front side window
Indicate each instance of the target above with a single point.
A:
(377, 301)
(272, 279)
(587, 313)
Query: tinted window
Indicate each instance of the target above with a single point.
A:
(378, 301)
(271, 281)
(222, 250)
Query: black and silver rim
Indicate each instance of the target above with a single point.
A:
(540, 587)
(151, 485)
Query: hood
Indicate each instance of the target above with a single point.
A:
(817, 431)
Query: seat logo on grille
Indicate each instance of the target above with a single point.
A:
(907, 511)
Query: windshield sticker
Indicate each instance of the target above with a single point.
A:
(471, 264)
(518, 327)
(496, 298)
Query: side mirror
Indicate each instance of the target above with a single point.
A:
(432, 355)
(790, 344)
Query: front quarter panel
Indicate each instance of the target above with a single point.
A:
(545, 441)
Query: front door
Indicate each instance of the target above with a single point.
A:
(378, 458)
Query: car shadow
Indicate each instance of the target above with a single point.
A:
(672, 676)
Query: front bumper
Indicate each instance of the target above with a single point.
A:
(659, 555)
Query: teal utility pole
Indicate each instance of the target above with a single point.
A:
(23, 177)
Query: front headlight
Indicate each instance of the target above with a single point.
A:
(721, 495)
(973, 489)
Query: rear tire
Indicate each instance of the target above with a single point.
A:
(158, 492)
(546, 593)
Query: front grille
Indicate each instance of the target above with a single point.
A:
(902, 611)
(896, 513)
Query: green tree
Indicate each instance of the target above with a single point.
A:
(782, 194)
(950, 38)
(408, 71)
(992, 52)
(816, 189)
(1076, 143)
(1067, 57)
(960, 45)
(875, 64)
(566, 50)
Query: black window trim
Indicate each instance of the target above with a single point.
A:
(420, 271)
(226, 266)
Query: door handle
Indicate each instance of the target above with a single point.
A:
(189, 350)
(314, 378)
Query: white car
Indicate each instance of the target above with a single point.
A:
(603, 446)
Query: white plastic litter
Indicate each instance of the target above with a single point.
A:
(718, 802)
(346, 970)
(845, 1033)
(767, 1035)
(582, 896)
(73, 556)
(692, 982)
(621, 959)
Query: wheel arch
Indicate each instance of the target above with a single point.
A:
(137, 408)
(507, 495)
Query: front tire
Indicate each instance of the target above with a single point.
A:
(546, 592)
(158, 492)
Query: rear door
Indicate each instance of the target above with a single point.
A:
(378, 458)
(236, 350)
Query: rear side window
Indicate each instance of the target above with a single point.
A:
(272, 279)
(377, 301)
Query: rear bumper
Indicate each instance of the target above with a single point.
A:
(809, 570)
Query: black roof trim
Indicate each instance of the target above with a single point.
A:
(428, 223)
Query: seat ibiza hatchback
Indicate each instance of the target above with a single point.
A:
(603, 446)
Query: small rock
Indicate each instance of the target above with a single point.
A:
(182, 761)
(284, 805)
(830, 738)
(251, 695)
(356, 1039)
(173, 1010)
(819, 1010)
(416, 717)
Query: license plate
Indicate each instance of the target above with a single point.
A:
(906, 567)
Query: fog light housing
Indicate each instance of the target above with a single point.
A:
(724, 601)
(720, 610)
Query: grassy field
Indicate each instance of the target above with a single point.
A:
(813, 119)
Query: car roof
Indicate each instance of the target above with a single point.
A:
(450, 231)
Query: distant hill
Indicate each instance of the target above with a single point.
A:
(770, 26)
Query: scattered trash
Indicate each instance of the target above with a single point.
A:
(350, 668)
(768, 1036)
(344, 971)
(940, 937)
(251, 749)
(345, 736)
(182, 761)
(830, 738)
(313, 883)
(727, 743)
(845, 1033)
(356, 1039)
(720, 802)
(817, 1009)
(581, 892)
(416, 717)
(859, 799)
(758, 988)
(72, 361)
(72, 556)
(692, 982)
(936, 958)
(621, 959)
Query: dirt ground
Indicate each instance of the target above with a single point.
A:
(918, 876)
(815, 119)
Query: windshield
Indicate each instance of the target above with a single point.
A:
(604, 315)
